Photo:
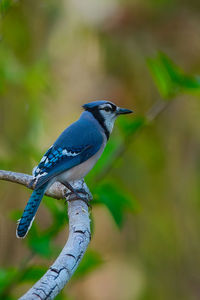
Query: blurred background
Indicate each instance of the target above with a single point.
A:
(143, 55)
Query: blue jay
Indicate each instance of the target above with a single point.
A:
(73, 154)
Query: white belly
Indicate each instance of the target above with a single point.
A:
(80, 171)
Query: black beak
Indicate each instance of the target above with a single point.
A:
(123, 111)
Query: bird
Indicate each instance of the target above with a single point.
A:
(72, 156)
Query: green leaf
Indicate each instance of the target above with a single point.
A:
(161, 78)
(170, 79)
(90, 261)
(177, 76)
(116, 200)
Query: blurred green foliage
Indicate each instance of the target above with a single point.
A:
(117, 201)
(170, 79)
(55, 53)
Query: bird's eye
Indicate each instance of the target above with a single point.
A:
(107, 109)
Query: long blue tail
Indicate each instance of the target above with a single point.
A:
(29, 212)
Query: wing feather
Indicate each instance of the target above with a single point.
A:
(75, 145)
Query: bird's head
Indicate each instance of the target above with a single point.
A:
(106, 112)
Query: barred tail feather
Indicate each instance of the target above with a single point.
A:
(30, 210)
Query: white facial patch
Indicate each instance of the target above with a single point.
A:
(109, 118)
(102, 106)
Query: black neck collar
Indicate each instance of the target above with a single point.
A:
(97, 115)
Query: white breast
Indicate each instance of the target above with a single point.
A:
(80, 171)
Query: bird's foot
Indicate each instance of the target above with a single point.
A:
(75, 198)
(74, 194)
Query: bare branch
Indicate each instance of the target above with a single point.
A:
(57, 190)
(54, 280)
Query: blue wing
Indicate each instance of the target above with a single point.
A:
(75, 145)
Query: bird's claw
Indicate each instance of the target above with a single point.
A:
(75, 196)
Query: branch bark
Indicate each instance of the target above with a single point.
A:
(54, 280)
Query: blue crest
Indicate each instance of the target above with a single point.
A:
(94, 104)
